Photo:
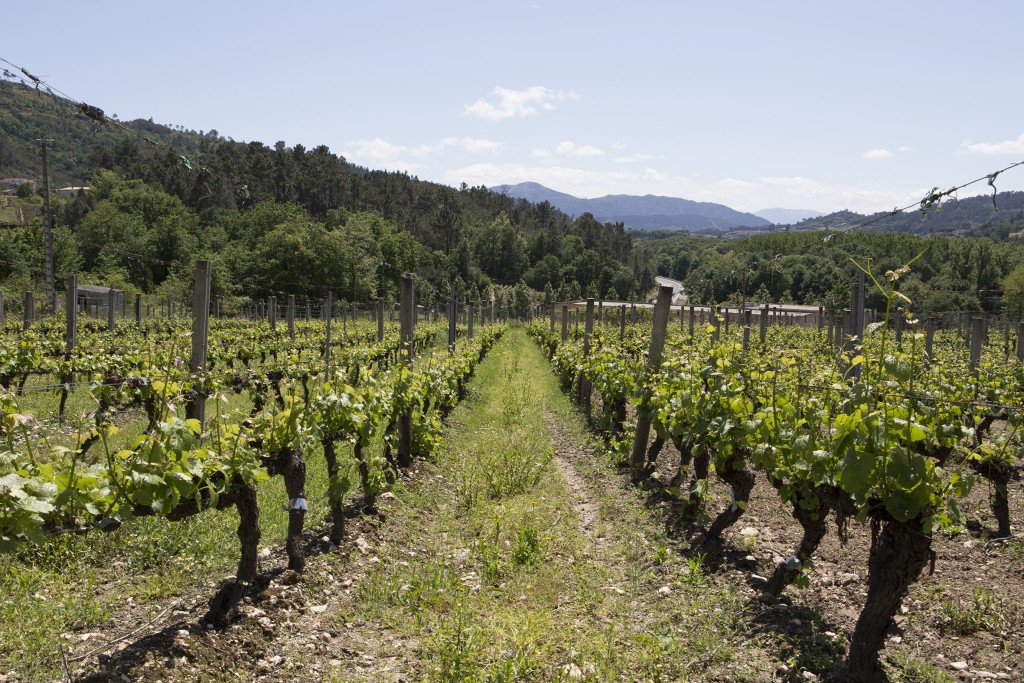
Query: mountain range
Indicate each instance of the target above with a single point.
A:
(653, 212)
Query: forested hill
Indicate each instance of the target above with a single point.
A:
(979, 215)
(470, 235)
(287, 220)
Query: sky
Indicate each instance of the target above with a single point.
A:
(803, 105)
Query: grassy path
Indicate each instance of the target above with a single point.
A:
(521, 555)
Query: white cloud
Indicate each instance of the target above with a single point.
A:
(881, 153)
(655, 176)
(517, 103)
(472, 145)
(801, 192)
(566, 148)
(385, 154)
(539, 153)
(635, 158)
(1004, 147)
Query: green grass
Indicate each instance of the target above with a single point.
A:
(505, 585)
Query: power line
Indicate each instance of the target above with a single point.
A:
(934, 198)
(98, 115)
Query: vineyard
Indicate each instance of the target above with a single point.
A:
(390, 515)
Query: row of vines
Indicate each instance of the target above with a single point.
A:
(883, 434)
(74, 473)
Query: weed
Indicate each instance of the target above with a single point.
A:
(661, 554)
(526, 550)
(1015, 548)
(456, 648)
(488, 555)
(695, 574)
(906, 669)
(984, 613)
(517, 665)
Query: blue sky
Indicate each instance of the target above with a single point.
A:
(807, 105)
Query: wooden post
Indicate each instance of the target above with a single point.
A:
(929, 335)
(584, 383)
(380, 320)
(692, 316)
(643, 419)
(565, 322)
(838, 339)
(764, 323)
(328, 307)
(856, 332)
(30, 309)
(746, 330)
(406, 321)
(977, 341)
(622, 322)
(469, 321)
(452, 322)
(110, 309)
(138, 311)
(71, 314)
(899, 329)
(196, 407)
(821, 318)
(552, 318)
(1020, 342)
(272, 313)
(290, 315)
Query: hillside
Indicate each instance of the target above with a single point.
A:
(290, 220)
(964, 216)
(648, 212)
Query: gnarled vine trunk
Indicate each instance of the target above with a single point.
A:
(812, 520)
(899, 551)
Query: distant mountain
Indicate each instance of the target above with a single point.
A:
(787, 216)
(969, 216)
(649, 212)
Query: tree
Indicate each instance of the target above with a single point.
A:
(1013, 292)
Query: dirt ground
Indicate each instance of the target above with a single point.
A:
(295, 628)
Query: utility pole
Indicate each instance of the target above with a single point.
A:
(51, 295)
